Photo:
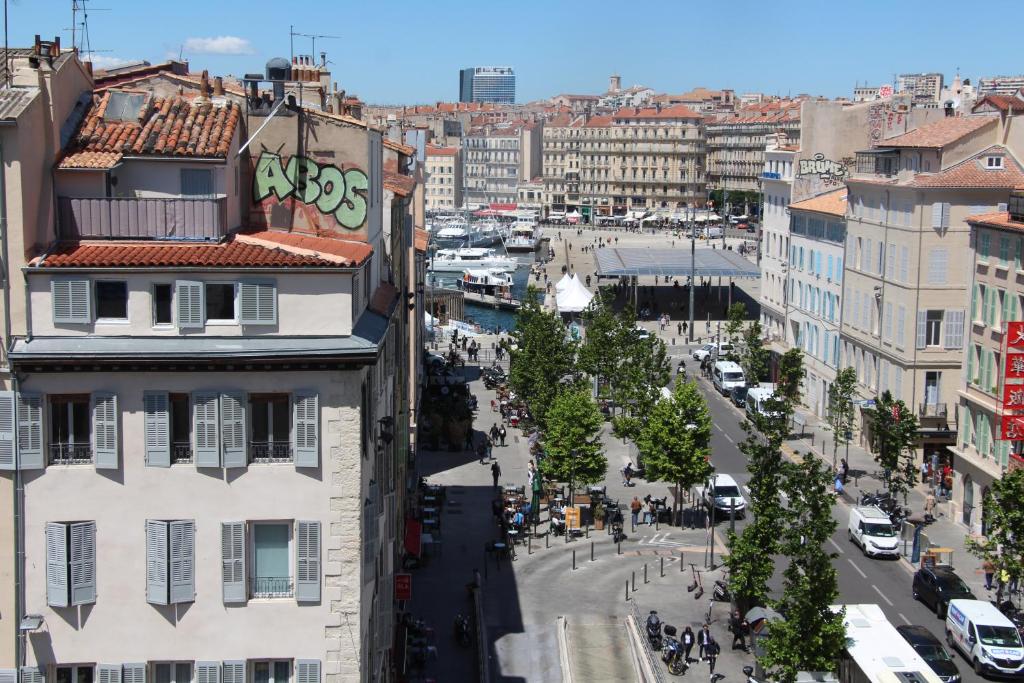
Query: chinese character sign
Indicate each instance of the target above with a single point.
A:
(1012, 428)
(1015, 334)
(1013, 397)
(1014, 366)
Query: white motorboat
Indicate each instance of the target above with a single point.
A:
(525, 236)
(459, 260)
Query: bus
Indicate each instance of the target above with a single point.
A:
(877, 653)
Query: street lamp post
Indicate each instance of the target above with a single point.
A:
(693, 263)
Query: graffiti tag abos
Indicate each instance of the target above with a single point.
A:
(328, 188)
(828, 171)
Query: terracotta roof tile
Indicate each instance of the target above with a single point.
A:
(326, 246)
(973, 173)
(164, 127)
(940, 133)
(1001, 102)
(598, 122)
(997, 219)
(420, 239)
(436, 151)
(399, 147)
(833, 203)
(398, 183)
(676, 111)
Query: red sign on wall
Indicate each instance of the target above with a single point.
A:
(1015, 334)
(1014, 366)
(1013, 397)
(403, 586)
(1012, 428)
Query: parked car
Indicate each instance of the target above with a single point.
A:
(738, 396)
(985, 637)
(936, 586)
(722, 494)
(702, 352)
(871, 529)
(931, 651)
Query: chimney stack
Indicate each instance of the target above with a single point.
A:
(218, 87)
(204, 84)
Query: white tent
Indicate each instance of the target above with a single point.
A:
(574, 298)
(563, 283)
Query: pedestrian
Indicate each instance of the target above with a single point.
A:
(501, 434)
(494, 432)
(652, 510)
(679, 329)
(990, 571)
(712, 649)
(844, 468)
(839, 484)
(703, 639)
(924, 472)
(739, 628)
(495, 473)
(929, 505)
(687, 639)
(685, 328)
(634, 509)
(481, 449)
(531, 472)
(490, 447)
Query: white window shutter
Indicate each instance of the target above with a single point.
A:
(105, 437)
(182, 560)
(133, 672)
(904, 264)
(232, 429)
(307, 671)
(207, 672)
(937, 212)
(945, 214)
(890, 262)
(191, 304)
(901, 324)
(56, 565)
(233, 671)
(108, 673)
(206, 428)
(233, 562)
(258, 303)
(954, 329)
(306, 428)
(887, 330)
(922, 323)
(71, 301)
(7, 430)
(157, 428)
(32, 674)
(307, 561)
(156, 562)
(30, 431)
(8, 676)
(83, 563)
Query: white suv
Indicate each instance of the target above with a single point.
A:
(702, 352)
(722, 494)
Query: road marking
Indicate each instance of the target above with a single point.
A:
(729, 438)
(836, 546)
(880, 593)
(905, 620)
(862, 574)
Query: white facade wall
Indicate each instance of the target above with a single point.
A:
(775, 242)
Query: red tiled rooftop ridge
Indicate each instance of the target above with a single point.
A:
(940, 133)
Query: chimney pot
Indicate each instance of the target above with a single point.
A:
(88, 67)
(204, 84)
(218, 86)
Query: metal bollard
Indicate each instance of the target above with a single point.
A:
(574, 559)
(529, 545)
(682, 567)
(645, 572)
(591, 551)
(619, 551)
(587, 530)
(627, 591)
(634, 580)
(547, 539)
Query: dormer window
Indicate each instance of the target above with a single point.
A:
(994, 162)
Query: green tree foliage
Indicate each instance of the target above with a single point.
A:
(753, 355)
(791, 374)
(542, 357)
(895, 433)
(600, 352)
(1004, 544)
(812, 637)
(735, 316)
(840, 408)
(644, 369)
(675, 439)
(572, 448)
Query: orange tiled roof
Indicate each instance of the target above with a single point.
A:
(598, 122)
(833, 203)
(676, 111)
(1001, 102)
(940, 133)
(997, 219)
(398, 183)
(437, 151)
(164, 127)
(333, 247)
(399, 147)
(420, 239)
(973, 174)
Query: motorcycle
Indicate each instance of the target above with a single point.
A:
(654, 630)
(748, 671)
(673, 653)
(462, 633)
(721, 592)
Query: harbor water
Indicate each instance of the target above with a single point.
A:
(489, 318)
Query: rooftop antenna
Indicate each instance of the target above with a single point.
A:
(7, 51)
(312, 36)
(80, 37)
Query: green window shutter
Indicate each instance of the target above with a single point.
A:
(233, 562)
(307, 561)
(108, 673)
(257, 303)
(71, 304)
(134, 672)
(306, 428)
(56, 565)
(974, 303)
(157, 428)
(156, 562)
(83, 563)
(7, 430)
(970, 363)
(232, 429)
(30, 431)
(207, 672)
(182, 555)
(206, 428)
(307, 671)
(191, 305)
(105, 437)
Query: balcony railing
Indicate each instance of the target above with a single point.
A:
(188, 217)
(271, 586)
(270, 451)
(181, 451)
(931, 410)
(70, 453)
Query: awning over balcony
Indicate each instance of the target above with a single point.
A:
(613, 262)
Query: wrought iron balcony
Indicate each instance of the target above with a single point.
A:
(931, 410)
(181, 452)
(270, 451)
(70, 453)
(271, 587)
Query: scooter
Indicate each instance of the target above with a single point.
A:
(673, 653)
(654, 630)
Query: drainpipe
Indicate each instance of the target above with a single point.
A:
(5, 250)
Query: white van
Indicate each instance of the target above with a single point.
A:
(985, 637)
(721, 350)
(871, 529)
(712, 231)
(757, 398)
(726, 376)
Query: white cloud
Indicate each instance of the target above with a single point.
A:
(108, 62)
(219, 45)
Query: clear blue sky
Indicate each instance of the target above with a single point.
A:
(405, 51)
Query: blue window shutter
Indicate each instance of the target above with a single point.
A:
(7, 430)
(307, 671)
(105, 436)
(83, 563)
(182, 551)
(56, 565)
(30, 431)
(206, 428)
(71, 301)
(307, 561)
(207, 672)
(157, 428)
(233, 562)
(306, 428)
(232, 428)
(156, 562)
(8, 676)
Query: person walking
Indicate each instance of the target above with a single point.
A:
(679, 329)
(652, 511)
(481, 449)
(495, 473)
(493, 433)
(687, 640)
(990, 572)
(634, 509)
(739, 629)
(844, 469)
(703, 639)
(712, 649)
(501, 434)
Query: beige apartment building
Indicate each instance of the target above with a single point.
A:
(736, 143)
(905, 293)
(496, 157)
(443, 178)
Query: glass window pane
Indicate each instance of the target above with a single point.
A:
(261, 672)
(80, 420)
(259, 419)
(220, 301)
(59, 434)
(281, 412)
(162, 305)
(112, 300)
(162, 673)
(281, 672)
(83, 674)
(183, 672)
(64, 674)
(270, 542)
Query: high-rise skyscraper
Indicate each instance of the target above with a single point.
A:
(495, 84)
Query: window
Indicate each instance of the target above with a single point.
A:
(901, 323)
(172, 672)
(163, 295)
(84, 673)
(984, 243)
(70, 441)
(170, 562)
(994, 162)
(70, 564)
(271, 671)
(112, 300)
(220, 302)
(71, 302)
(1004, 251)
(270, 424)
(197, 182)
(933, 328)
(938, 265)
(180, 423)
